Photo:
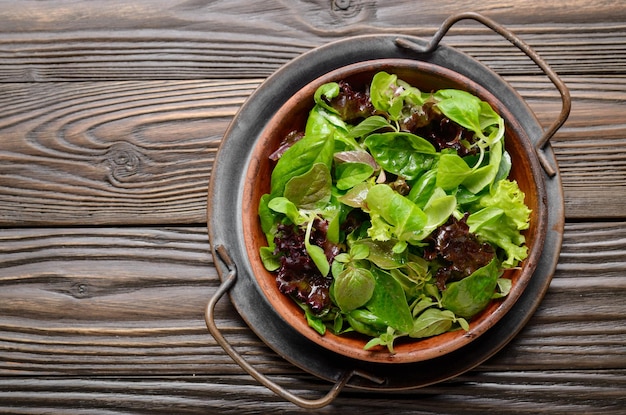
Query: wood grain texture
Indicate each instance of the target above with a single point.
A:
(111, 304)
(93, 153)
(567, 392)
(116, 160)
(141, 152)
(67, 15)
(109, 301)
(69, 40)
(591, 147)
(172, 54)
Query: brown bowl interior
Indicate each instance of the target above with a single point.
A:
(292, 115)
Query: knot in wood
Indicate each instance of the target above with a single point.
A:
(80, 290)
(342, 4)
(346, 8)
(123, 159)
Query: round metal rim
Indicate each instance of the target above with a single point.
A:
(225, 227)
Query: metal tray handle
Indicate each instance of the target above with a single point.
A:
(209, 317)
(511, 37)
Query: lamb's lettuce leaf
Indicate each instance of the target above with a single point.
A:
(404, 154)
(470, 295)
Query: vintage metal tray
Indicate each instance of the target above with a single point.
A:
(226, 234)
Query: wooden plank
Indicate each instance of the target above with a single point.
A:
(571, 392)
(591, 147)
(65, 40)
(141, 152)
(113, 302)
(170, 54)
(110, 152)
(68, 15)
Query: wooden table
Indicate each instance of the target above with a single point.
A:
(111, 115)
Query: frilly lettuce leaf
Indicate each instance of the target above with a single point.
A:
(507, 195)
(501, 219)
(405, 220)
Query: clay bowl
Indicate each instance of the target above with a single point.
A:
(292, 114)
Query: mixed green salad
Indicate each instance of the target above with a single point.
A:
(391, 214)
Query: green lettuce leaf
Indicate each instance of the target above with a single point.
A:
(404, 154)
(470, 295)
(300, 158)
(311, 190)
(389, 303)
(501, 219)
(394, 213)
